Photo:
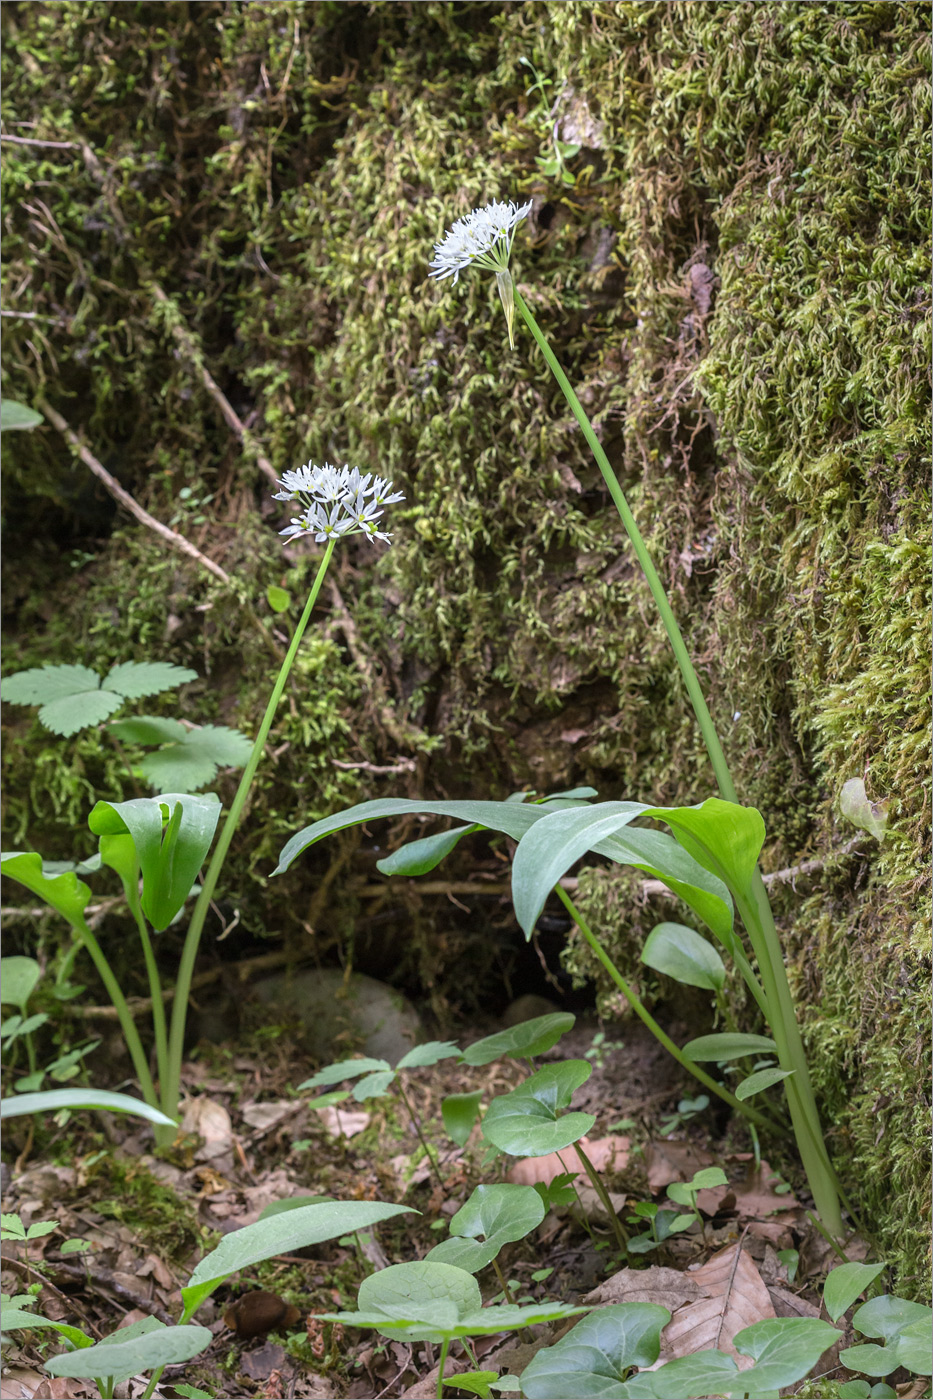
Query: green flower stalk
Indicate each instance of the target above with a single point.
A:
(484, 238)
(333, 503)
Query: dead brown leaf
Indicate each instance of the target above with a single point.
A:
(606, 1154)
(210, 1121)
(669, 1288)
(733, 1297)
(673, 1161)
(343, 1122)
(755, 1196)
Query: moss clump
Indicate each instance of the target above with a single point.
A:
(736, 282)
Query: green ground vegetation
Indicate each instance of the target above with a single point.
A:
(733, 267)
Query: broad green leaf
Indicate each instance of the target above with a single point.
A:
(528, 1122)
(12, 1319)
(913, 1347)
(761, 1079)
(475, 1382)
(524, 1041)
(279, 599)
(856, 807)
(119, 854)
(872, 1359)
(861, 1390)
(43, 684)
(66, 894)
(681, 953)
(19, 978)
(844, 1284)
(134, 679)
(343, 1069)
(723, 837)
(437, 1302)
(282, 1234)
(431, 1053)
(887, 1316)
(784, 1350)
(53, 1099)
(171, 859)
(147, 729)
(373, 1086)
(548, 851)
(594, 1359)
(418, 857)
(727, 1045)
(514, 818)
(291, 1203)
(501, 1214)
(460, 1112)
(119, 1360)
(17, 415)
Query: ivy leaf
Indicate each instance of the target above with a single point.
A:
(529, 1121)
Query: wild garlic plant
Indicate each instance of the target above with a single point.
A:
(484, 238)
(160, 843)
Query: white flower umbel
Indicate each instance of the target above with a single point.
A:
(483, 239)
(336, 501)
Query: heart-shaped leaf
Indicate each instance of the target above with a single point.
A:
(19, 978)
(435, 1303)
(681, 953)
(594, 1359)
(784, 1349)
(282, 1234)
(887, 1316)
(727, 1045)
(522, 1042)
(844, 1284)
(529, 1121)
(914, 1347)
(170, 858)
(501, 1214)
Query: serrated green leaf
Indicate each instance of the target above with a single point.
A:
(373, 1086)
(43, 684)
(524, 1041)
(227, 747)
(19, 977)
(176, 769)
(727, 1045)
(682, 953)
(76, 712)
(134, 679)
(15, 415)
(147, 729)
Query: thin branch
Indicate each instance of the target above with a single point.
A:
(52, 145)
(777, 877)
(188, 343)
(176, 540)
(37, 316)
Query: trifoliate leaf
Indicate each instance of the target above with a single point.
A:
(43, 684)
(133, 679)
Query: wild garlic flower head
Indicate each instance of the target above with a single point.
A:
(482, 238)
(336, 501)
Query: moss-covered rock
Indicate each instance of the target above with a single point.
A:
(734, 272)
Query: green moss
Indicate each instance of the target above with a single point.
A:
(737, 285)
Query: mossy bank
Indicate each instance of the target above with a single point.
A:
(732, 267)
